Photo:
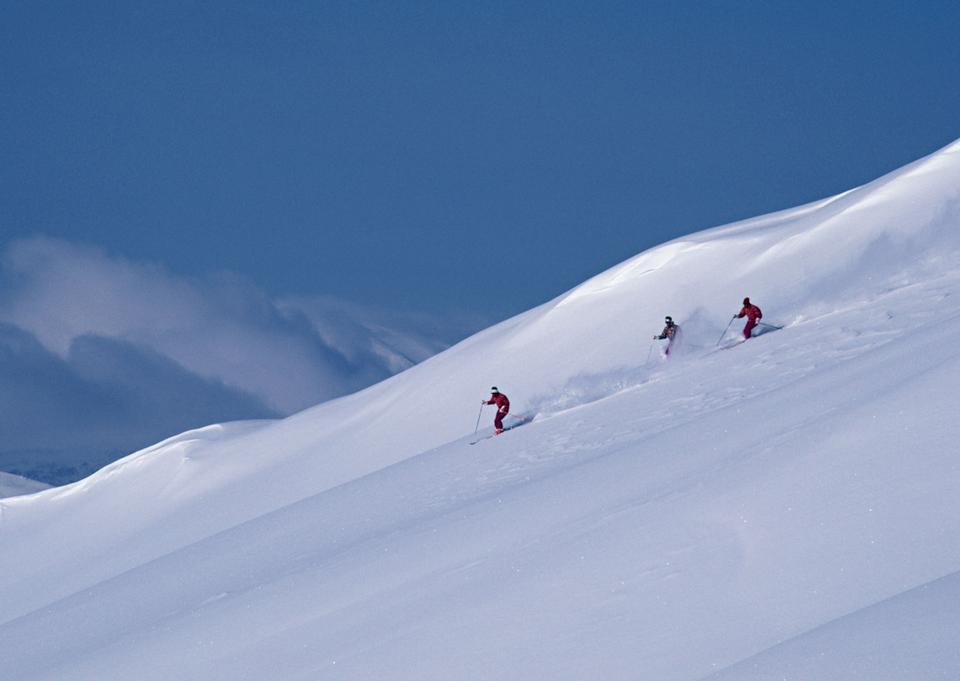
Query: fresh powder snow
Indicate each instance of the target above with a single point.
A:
(784, 508)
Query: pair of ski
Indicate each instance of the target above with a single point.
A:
(521, 421)
(761, 329)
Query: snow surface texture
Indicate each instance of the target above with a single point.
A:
(785, 509)
(15, 485)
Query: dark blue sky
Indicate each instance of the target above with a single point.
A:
(441, 156)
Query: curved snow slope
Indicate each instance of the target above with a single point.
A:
(652, 523)
(16, 485)
(910, 636)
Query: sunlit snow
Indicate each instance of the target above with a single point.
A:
(787, 508)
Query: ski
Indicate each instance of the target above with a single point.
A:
(521, 420)
(761, 329)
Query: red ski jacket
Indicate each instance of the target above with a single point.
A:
(752, 312)
(501, 401)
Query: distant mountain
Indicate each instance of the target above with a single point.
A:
(15, 485)
(100, 356)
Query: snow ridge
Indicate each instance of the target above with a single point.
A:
(15, 485)
(756, 513)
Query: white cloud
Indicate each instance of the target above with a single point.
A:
(62, 417)
(291, 354)
(100, 355)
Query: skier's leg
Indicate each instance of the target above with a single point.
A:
(498, 421)
(748, 329)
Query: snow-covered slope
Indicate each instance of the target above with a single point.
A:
(723, 513)
(15, 485)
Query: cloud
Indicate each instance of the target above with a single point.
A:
(101, 354)
(63, 417)
(291, 354)
(366, 334)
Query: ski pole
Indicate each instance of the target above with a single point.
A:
(726, 329)
(478, 419)
(650, 352)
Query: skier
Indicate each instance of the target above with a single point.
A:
(670, 331)
(503, 407)
(753, 315)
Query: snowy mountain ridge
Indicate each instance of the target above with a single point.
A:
(16, 485)
(720, 515)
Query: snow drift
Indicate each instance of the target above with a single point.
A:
(788, 508)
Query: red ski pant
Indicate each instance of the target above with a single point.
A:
(498, 419)
(748, 329)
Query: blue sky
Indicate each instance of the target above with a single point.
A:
(264, 205)
(441, 156)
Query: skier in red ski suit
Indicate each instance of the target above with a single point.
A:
(753, 315)
(503, 407)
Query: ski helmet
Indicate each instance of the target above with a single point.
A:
(668, 319)
(494, 391)
(746, 301)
